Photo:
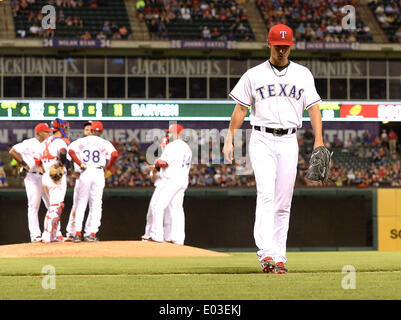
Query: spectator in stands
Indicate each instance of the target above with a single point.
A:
(86, 36)
(114, 28)
(101, 36)
(384, 138)
(392, 141)
(123, 32)
(185, 13)
(206, 33)
(93, 4)
(35, 30)
(230, 36)
(215, 34)
(3, 178)
(106, 28)
(153, 29)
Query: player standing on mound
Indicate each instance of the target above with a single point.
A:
(71, 232)
(277, 91)
(53, 158)
(25, 153)
(174, 165)
(94, 152)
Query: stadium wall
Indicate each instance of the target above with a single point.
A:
(331, 219)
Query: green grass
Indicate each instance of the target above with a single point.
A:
(312, 275)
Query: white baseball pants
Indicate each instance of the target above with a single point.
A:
(34, 192)
(56, 193)
(166, 218)
(274, 160)
(91, 185)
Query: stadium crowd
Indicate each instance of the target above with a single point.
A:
(379, 155)
(314, 20)
(159, 14)
(388, 14)
(75, 22)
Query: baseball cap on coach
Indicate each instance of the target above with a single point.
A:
(97, 126)
(43, 127)
(281, 35)
(175, 128)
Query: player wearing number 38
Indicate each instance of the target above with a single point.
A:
(93, 155)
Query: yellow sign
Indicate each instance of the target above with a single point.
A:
(389, 219)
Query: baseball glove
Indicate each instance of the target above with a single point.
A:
(319, 165)
(56, 173)
(22, 172)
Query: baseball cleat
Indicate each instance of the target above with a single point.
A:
(91, 238)
(59, 239)
(280, 268)
(69, 238)
(37, 239)
(268, 265)
(77, 238)
(146, 238)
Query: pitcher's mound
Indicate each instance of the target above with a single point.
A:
(104, 249)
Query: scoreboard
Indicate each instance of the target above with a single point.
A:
(115, 110)
(206, 110)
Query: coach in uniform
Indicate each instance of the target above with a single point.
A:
(277, 92)
(25, 153)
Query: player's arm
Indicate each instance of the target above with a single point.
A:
(316, 121)
(17, 156)
(113, 158)
(75, 158)
(237, 119)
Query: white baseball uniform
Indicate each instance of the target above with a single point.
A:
(29, 150)
(94, 151)
(166, 206)
(277, 100)
(50, 155)
(77, 191)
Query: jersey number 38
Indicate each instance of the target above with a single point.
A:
(94, 156)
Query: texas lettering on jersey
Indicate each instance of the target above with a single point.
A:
(279, 90)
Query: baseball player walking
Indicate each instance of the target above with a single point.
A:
(94, 152)
(25, 153)
(71, 232)
(166, 206)
(53, 155)
(277, 91)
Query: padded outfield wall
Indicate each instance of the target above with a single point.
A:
(321, 218)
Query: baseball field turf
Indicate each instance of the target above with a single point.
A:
(312, 276)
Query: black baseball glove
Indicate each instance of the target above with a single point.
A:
(319, 165)
(22, 172)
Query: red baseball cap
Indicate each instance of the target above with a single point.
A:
(164, 142)
(97, 126)
(43, 127)
(175, 128)
(281, 35)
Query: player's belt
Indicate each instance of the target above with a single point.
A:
(275, 131)
(34, 172)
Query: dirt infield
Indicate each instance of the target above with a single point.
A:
(104, 249)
